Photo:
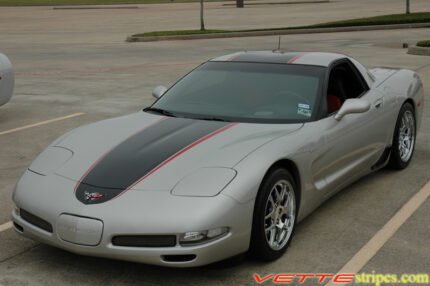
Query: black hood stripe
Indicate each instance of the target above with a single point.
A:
(141, 155)
(110, 150)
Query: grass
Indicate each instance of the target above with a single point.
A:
(424, 43)
(423, 17)
(183, 32)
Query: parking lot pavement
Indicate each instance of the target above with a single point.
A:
(60, 78)
(44, 24)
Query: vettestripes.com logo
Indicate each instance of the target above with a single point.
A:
(373, 278)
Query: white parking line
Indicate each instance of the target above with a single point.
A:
(40, 123)
(360, 259)
(6, 226)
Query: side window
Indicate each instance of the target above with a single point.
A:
(344, 82)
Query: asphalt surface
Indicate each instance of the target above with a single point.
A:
(44, 24)
(62, 73)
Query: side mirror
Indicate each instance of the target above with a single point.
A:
(352, 105)
(158, 91)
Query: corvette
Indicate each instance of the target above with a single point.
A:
(226, 161)
(7, 79)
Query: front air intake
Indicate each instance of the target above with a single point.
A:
(179, 258)
(35, 220)
(144, 240)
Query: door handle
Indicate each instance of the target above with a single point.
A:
(378, 103)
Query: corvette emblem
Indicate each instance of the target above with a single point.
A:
(92, 196)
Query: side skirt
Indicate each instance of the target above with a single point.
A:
(383, 160)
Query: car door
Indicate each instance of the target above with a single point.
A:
(352, 145)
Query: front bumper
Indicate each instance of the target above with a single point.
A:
(50, 198)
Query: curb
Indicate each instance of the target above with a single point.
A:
(419, 51)
(277, 32)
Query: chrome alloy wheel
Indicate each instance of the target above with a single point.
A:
(407, 136)
(280, 214)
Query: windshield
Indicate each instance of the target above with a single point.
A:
(246, 92)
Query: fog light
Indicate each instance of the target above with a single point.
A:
(217, 232)
(197, 237)
(193, 236)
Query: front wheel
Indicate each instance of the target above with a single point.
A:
(274, 216)
(404, 138)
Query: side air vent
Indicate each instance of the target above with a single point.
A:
(35, 220)
(144, 240)
(179, 258)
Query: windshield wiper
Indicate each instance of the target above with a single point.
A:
(171, 114)
(214, 119)
(160, 111)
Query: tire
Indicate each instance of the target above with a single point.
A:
(275, 182)
(404, 138)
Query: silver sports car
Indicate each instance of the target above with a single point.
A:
(7, 79)
(226, 161)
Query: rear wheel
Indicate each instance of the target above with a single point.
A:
(404, 138)
(274, 216)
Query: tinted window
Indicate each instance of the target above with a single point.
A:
(345, 82)
(246, 92)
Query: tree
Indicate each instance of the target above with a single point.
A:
(408, 7)
(202, 20)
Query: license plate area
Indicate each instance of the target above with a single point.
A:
(80, 230)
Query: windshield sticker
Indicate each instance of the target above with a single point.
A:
(303, 105)
(304, 109)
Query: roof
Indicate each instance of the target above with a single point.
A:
(303, 58)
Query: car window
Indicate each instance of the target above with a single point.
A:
(248, 92)
(344, 82)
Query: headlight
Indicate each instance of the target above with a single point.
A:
(50, 160)
(205, 182)
(198, 237)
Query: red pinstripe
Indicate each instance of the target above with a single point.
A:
(295, 59)
(177, 154)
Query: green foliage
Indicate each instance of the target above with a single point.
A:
(423, 17)
(180, 33)
(378, 20)
(424, 43)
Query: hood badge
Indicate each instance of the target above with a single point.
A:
(92, 196)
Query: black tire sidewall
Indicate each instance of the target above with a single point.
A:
(260, 248)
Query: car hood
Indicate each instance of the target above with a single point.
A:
(147, 151)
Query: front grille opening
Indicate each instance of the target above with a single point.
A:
(144, 240)
(18, 227)
(35, 220)
(179, 258)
